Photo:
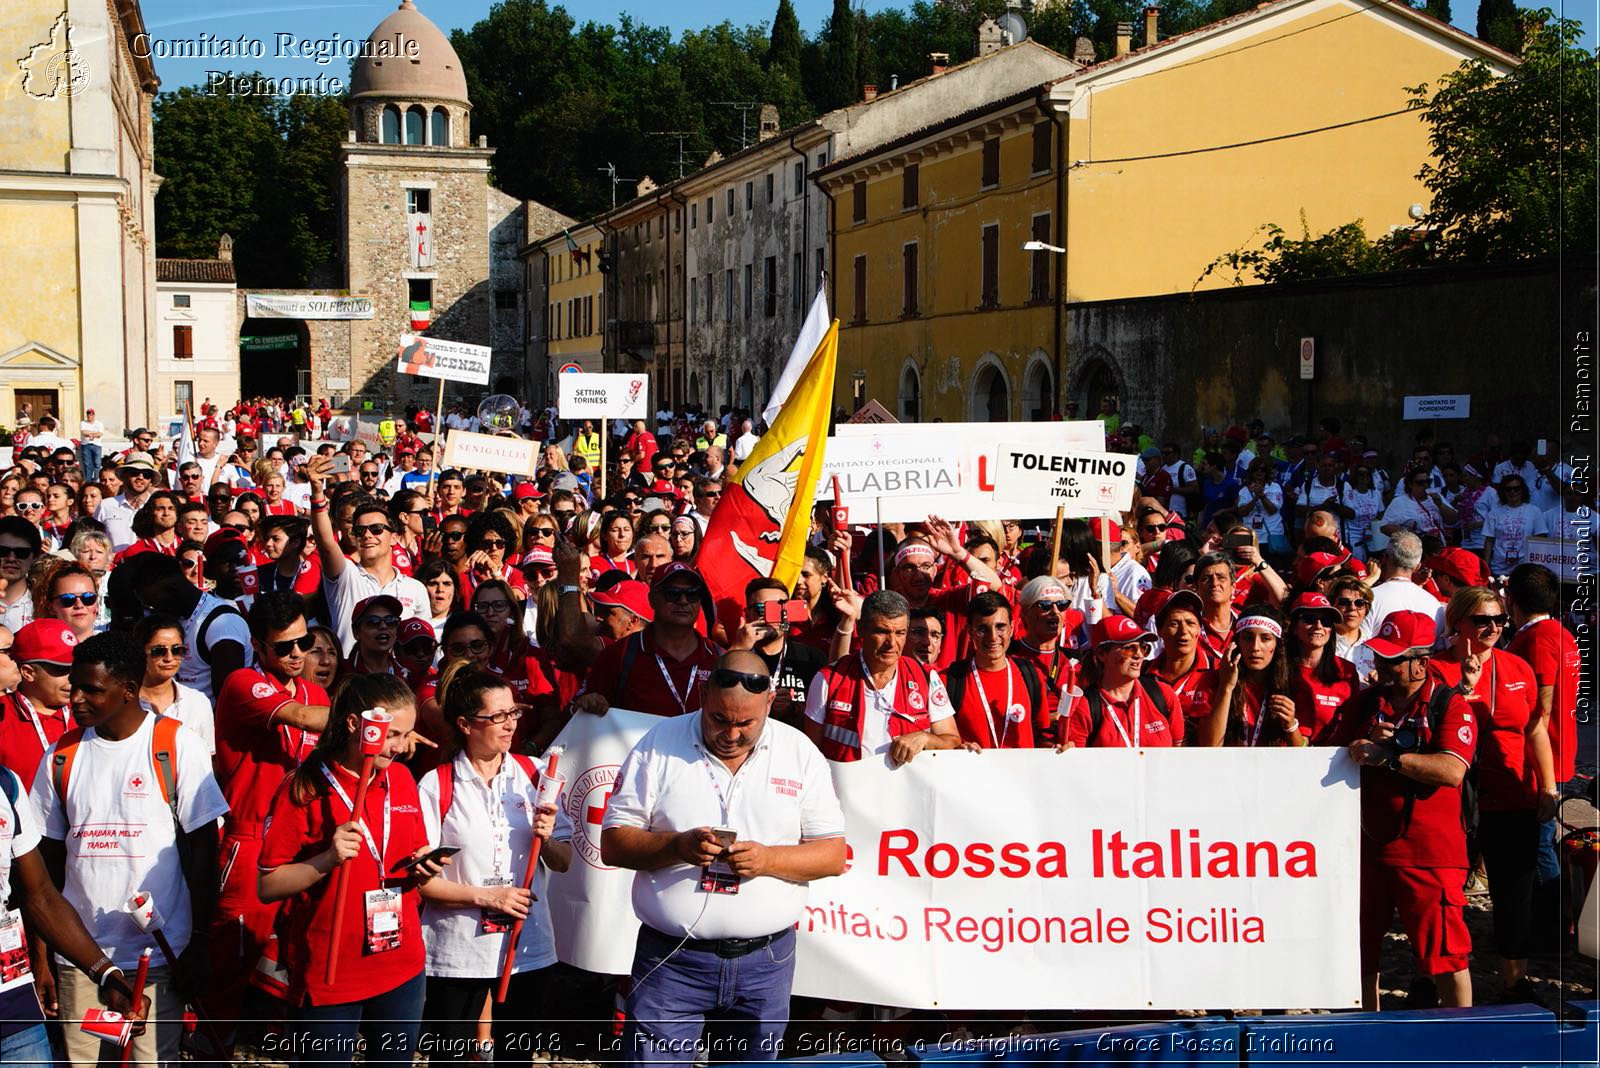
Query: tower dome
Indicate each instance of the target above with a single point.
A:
(408, 58)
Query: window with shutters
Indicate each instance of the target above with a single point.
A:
(183, 342)
(694, 299)
(797, 285)
(799, 178)
(908, 259)
(1042, 144)
(860, 273)
(1039, 275)
(858, 202)
(769, 284)
(991, 162)
(910, 183)
(749, 296)
(991, 267)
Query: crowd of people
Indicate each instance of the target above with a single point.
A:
(195, 632)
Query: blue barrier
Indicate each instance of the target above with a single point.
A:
(1580, 1033)
(1489, 1036)
(1203, 1041)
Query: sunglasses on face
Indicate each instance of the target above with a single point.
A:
(1315, 622)
(492, 544)
(1399, 661)
(420, 646)
(305, 643)
(161, 652)
(680, 594)
(660, 528)
(1052, 606)
(30, 506)
(1488, 620)
(454, 535)
(242, 528)
(727, 679)
(497, 717)
(474, 647)
(58, 670)
(380, 621)
(68, 600)
(493, 608)
(189, 476)
(15, 552)
(542, 532)
(1352, 602)
(363, 529)
(564, 514)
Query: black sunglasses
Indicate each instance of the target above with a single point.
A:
(48, 668)
(682, 594)
(727, 679)
(1488, 620)
(305, 643)
(453, 535)
(360, 529)
(15, 552)
(161, 652)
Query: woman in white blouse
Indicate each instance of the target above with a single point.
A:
(161, 638)
(483, 802)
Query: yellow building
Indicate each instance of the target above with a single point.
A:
(566, 299)
(76, 213)
(1134, 174)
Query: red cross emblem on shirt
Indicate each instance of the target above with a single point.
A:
(136, 782)
(595, 813)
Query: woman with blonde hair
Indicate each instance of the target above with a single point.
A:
(66, 591)
(1515, 769)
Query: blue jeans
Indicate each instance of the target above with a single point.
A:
(675, 995)
(89, 455)
(326, 1034)
(28, 1046)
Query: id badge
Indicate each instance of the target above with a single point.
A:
(494, 921)
(14, 970)
(383, 920)
(717, 878)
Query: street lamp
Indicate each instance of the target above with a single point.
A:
(1040, 246)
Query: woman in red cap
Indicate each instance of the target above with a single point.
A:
(1116, 707)
(1516, 770)
(1251, 705)
(1319, 681)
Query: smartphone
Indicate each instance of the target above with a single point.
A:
(780, 612)
(726, 836)
(435, 856)
(339, 463)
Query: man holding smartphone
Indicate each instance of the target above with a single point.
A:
(768, 614)
(725, 816)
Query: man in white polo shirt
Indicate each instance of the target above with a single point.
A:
(725, 815)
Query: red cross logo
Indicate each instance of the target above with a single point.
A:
(595, 813)
(422, 244)
(136, 782)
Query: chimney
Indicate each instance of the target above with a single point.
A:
(991, 38)
(1124, 38)
(1151, 13)
(1083, 52)
(938, 61)
(225, 248)
(894, 82)
(869, 92)
(768, 121)
(644, 185)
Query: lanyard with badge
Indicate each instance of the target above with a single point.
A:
(33, 718)
(1116, 720)
(1014, 713)
(381, 906)
(14, 969)
(672, 687)
(493, 921)
(717, 877)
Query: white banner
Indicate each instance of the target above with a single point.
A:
(453, 361)
(1083, 483)
(994, 881)
(591, 905)
(1438, 406)
(466, 451)
(974, 448)
(273, 306)
(587, 396)
(876, 466)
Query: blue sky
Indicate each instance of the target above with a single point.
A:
(168, 19)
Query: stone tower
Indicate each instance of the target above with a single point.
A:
(418, 208)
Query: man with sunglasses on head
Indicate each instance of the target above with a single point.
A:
(661, 669)
(718, 912)
(1414, 738)
(346, 582)
(267, 721)
(138, 473)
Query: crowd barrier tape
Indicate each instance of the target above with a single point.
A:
(1486, 1037)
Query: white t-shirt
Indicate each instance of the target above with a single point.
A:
(781, 795)
(19, 830)
(1256, 515)
(1422, 517)
(744, 445)
(1358, 530)
(18, 613)
(1543, 493)
(1402, 595)
(193, 710)
(1180, 478)
(119, 835)
(91, 430)
(492, 823)
(195, 672)
(875, 738)
(1505, 468)
(355, 584)
(116, 514)
(1131, 578)
(1511, 528)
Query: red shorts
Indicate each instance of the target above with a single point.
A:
(1430, 902)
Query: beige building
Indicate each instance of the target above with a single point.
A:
(198, 346)
(77, 220)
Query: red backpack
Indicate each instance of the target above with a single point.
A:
(447, 780)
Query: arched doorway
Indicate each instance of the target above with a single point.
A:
(1038, 392)
(991, 394)
(274, 358)
(693, 398)
(910, 395)
(1096, 381)
(747, 391)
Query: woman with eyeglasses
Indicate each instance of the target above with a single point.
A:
(464, 638)
(161, 638)
(1516, 778)
(616, 542)
(1353, 600)
(1251, 704)
(375, 623)
(685, 539)
(29, 504)
(439, 580)
(1506, 531)
(498, 606)
(483, 801)
(490, 540)
(1319, 681)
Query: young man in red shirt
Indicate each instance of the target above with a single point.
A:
(661, 669)
(267, 721)
(1000, 701)
(1414, 745)
(32, 718)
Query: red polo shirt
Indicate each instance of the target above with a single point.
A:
(656, 682)
(20, 749)
(299, 832)
(1551, 651)
(1317, 702)
(1503, 704)
(254, 751)
(1195, 687)
(1059, 670)
(996, 711)
(1138, 718)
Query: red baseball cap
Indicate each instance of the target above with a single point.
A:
(414, 628)
(538, 556)
(368, 603)
(673, 570)
(630, 594)
(1402, 632)
(526, 491)
(1156, 602)
(44, 641)
(1313, 564)
(1314, 603)
(1113, 532)
(220, 538)
(1118, 630)
(1460, 564)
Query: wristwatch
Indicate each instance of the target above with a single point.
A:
(1392, 761)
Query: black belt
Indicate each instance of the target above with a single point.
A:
(722, 947)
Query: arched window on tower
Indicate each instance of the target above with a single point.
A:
(390, 133)
(416, 126)
(440, 134)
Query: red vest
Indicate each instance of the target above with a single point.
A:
(842, 715)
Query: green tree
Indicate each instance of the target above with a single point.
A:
(1341, 251)
(1512, 173)
(783, 47)
(211, 152)
(1439, 9)
(1500, 24)
(841, 36)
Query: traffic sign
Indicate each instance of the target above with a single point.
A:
(570, 369)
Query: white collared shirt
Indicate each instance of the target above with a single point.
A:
(355, 584)
(781, 795)
(193, 710)
(492, 823)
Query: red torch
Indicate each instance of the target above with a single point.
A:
(549, 796)
(374, 730)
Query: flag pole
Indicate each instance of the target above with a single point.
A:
(1055, 539)
(438, 436)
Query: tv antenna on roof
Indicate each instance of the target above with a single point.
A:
(745, 107)
(682, 136)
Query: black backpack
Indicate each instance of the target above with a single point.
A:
(960, 673)
(1097, 706)
(1438, 702)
